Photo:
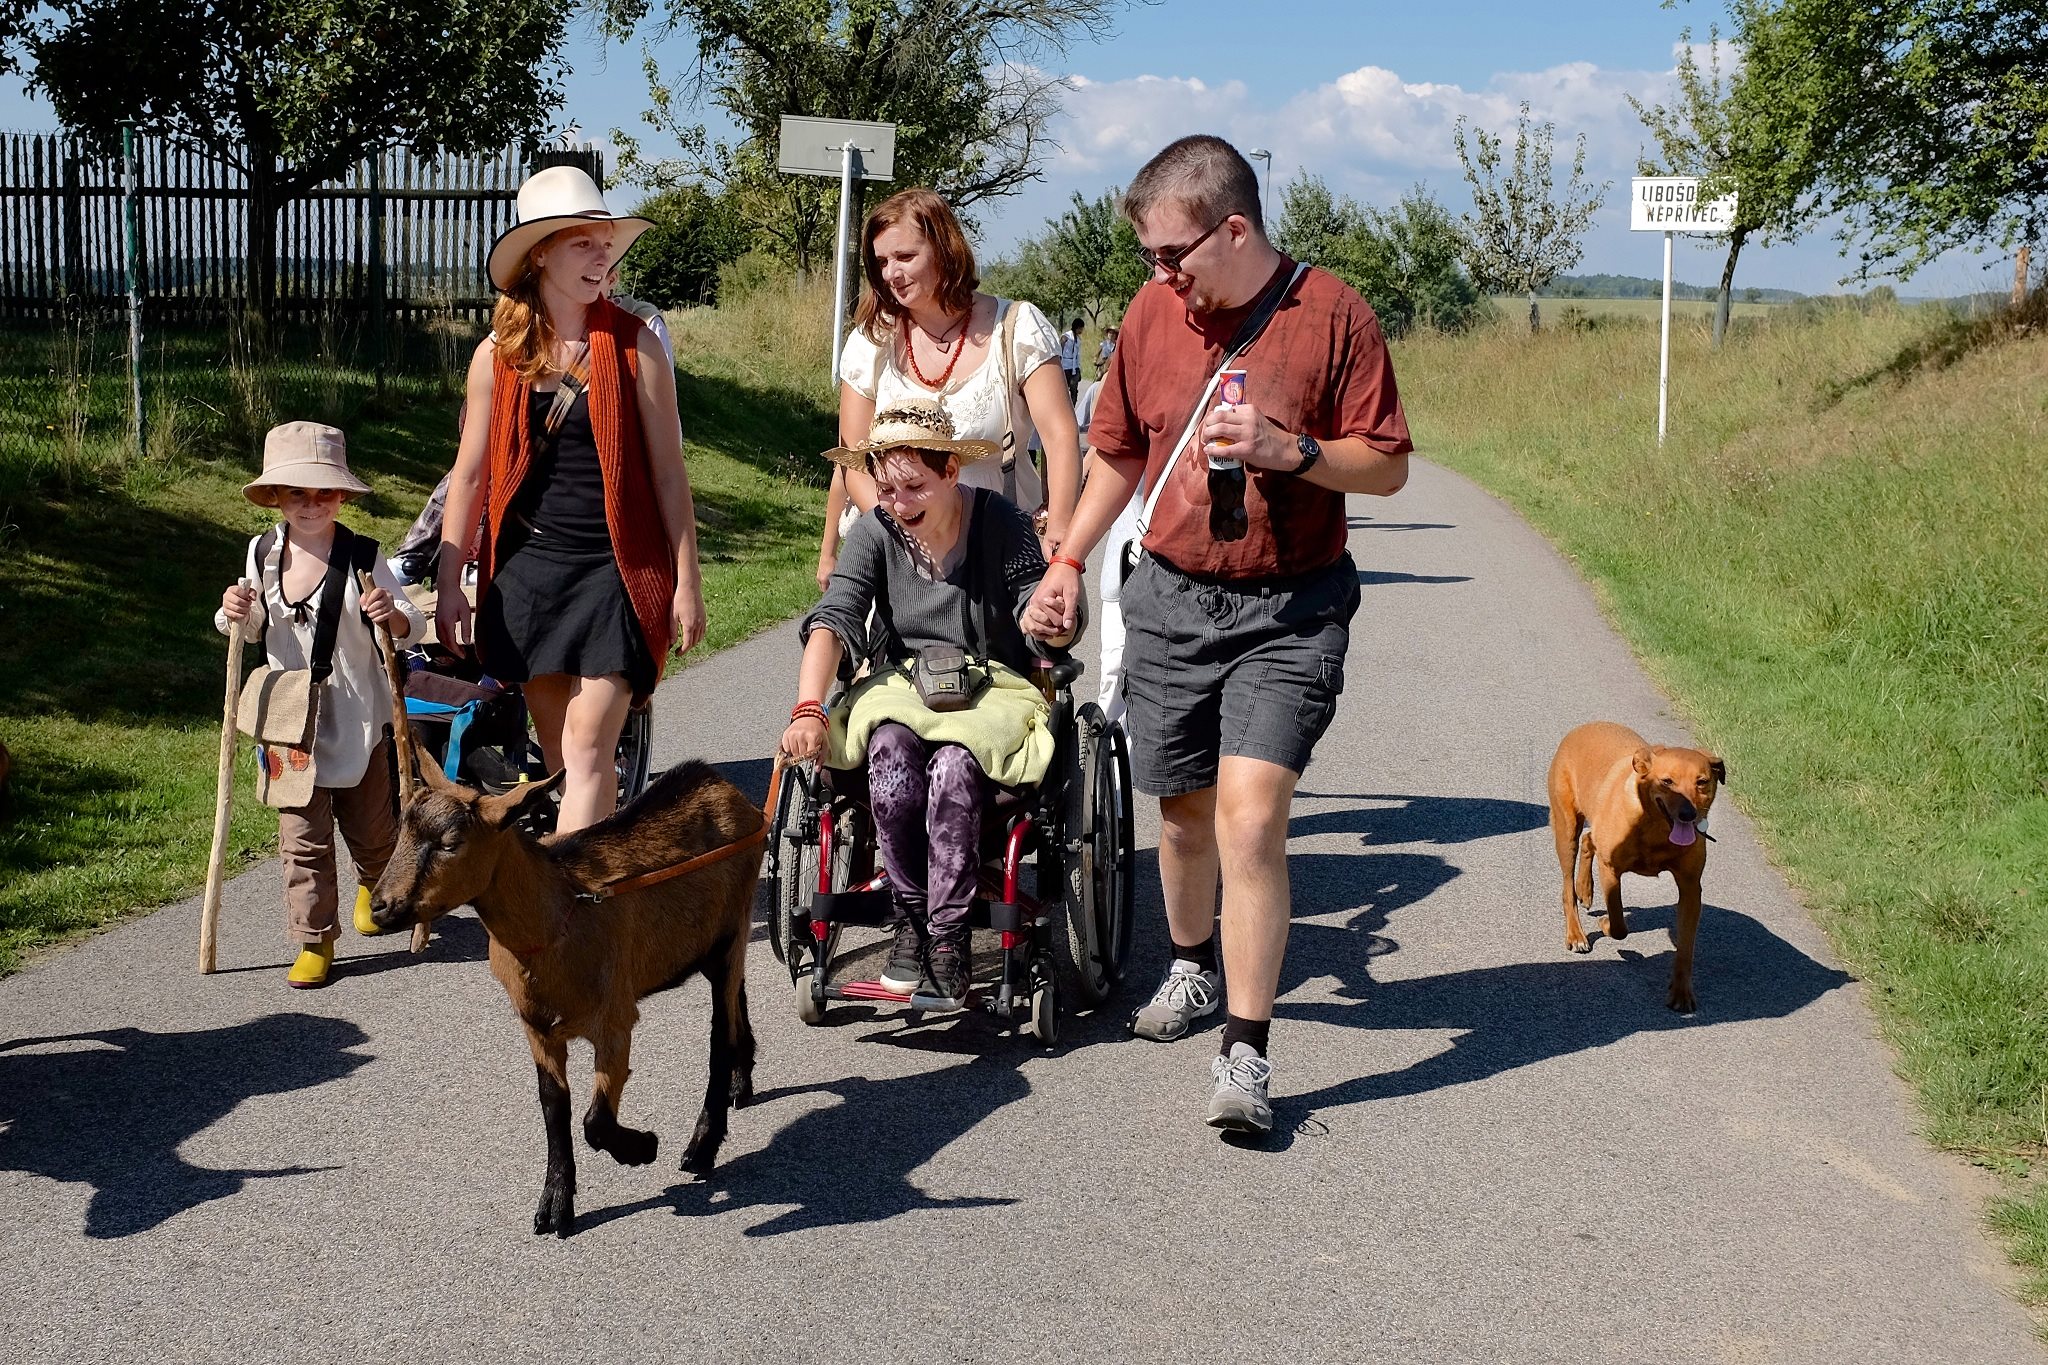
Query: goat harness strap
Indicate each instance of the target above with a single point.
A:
(702, 860)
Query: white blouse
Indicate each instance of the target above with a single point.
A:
(355, 706)
(973, 400)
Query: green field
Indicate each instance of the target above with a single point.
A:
(1835, 567)
(111, 565)
(1558, 312)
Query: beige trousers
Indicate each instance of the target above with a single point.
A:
(368, 816)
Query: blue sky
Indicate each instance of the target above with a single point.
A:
(1360, 92)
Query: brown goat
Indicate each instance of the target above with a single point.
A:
(576, 967)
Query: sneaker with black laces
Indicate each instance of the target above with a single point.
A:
(1240, 1103)
(904, 971)
(1186, 993)
(950, 973)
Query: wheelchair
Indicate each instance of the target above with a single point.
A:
(1064, 930)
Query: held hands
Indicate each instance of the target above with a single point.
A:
(1050, 614)
(238, 601)
(378, 606)
(1251, 438)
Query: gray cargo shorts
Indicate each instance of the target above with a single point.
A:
(1251, 670)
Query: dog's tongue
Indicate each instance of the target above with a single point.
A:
(1682, 832)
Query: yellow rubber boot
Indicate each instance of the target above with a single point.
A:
(365, 926)
(310, 971)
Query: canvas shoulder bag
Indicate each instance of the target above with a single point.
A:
(279, 708)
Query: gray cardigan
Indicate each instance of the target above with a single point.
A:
(994, 580)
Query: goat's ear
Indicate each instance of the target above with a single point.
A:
(436, 780)
(500, 811)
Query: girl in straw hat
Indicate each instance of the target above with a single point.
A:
(299, 564)
(572, 455)
(941, 565)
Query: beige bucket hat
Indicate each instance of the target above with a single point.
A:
(550, 200)
(914, 422)
(303, 455)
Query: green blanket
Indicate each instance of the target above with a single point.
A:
(1007, 729)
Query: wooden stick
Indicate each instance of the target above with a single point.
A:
(401, 728)
(223, 798)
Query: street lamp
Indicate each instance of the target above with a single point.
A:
(1266, 200)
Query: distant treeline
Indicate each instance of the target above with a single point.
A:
(1641, 287)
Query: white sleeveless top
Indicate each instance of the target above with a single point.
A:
(974, 400)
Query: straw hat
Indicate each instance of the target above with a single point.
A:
(917, 423)
(303, 455)
(550, 200)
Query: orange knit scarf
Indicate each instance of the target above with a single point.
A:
(640, 541)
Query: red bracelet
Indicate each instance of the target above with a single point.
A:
(1076, 565)
(809, 708)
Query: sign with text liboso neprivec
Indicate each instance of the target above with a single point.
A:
(1672, 203)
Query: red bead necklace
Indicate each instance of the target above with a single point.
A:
(910, 350)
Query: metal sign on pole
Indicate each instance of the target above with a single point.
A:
(846, 150)
(1671, 204)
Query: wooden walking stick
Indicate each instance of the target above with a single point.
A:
(401, 728)
(223, 797)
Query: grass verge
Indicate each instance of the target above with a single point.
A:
(1835, 567)
(111, 564)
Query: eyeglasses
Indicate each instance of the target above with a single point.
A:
(1169, 260)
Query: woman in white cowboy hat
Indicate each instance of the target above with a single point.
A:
(944, 567)
(572, 456)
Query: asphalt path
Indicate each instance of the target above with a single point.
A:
(1487, 1149)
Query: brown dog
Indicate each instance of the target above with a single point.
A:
(1624, 805)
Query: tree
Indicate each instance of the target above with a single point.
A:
(676, 261)
(960, 79)
(293, 92)
(1923, 118)
(1699, 135)
(1517, 238)
(1092, 253)
(1404, 261)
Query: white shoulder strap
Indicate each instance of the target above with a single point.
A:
(1201, 411)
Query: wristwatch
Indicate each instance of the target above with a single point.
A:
(1311, 451)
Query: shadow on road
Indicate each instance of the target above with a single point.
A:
(112, 1108)
(1381, 578)
(1358, 523)
(1419, 819)
(1526, 1012)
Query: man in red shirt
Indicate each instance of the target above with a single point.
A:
(1238, 625)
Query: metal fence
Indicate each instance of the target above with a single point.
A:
(397, 236)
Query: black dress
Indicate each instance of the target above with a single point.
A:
(556, 603)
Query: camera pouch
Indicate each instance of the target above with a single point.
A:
(945, 678)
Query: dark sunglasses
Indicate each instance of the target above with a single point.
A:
(1169, 260)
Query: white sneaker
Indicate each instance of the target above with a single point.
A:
(1186, 993)
(1239, 1104)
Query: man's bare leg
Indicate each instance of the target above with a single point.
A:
(1253, 800)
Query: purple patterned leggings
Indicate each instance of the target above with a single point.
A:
(927, 801)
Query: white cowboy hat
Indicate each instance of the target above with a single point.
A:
(917, 423)
(550, 200)
(303, 455)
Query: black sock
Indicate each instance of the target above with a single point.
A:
(1203, 954)
(1251, 1032)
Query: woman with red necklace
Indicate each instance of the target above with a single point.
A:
(924, 332)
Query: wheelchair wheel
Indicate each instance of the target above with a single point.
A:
(1045, 1012)
(1110, 838)
(783, 867)
(1091, 873)
(636, 750)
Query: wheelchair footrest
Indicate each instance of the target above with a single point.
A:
(875, 990)
(852, 907)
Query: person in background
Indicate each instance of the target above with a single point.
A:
(1104, 350)
(1070, 358)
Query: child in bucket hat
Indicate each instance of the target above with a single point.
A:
(301, 582)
